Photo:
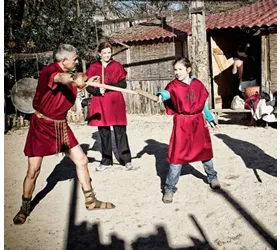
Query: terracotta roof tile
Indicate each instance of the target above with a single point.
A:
(257, 14)
(263, 13)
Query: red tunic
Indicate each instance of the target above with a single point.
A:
(52, 100)
(190, 139)
(109, 109)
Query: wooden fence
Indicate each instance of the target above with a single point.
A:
(16, 121)
(135, 104)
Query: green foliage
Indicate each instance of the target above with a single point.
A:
(40, 26)
(47, 23)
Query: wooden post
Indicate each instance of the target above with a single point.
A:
(200, 63)
(26, 123)
(73, 116)
(78, 8)
(264, 60)
(79, 112)
(21, 121)
(14, 121)
(128, 60)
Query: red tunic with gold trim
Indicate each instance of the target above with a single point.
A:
(109, 109)
(53, 100)
(190, 139)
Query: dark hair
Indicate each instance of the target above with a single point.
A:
(185, 61)
(104, 45)
(244, 48)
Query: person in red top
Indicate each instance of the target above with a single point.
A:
(190, 141)
(49, 132)
(108, 108)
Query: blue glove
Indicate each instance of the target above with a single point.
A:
(164, 94)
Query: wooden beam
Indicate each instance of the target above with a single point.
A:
(28, 56)
(218, 51)
(200, 60)
(118, 42)
(128, 19)
(197, 10)
(220, 65)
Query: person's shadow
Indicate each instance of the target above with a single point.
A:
(98, 147)
(159, 150)
(65, 170)
(97, 142)
(253, 157)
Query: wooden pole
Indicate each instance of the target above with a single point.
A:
(200, 63)
(102, 75)
(128, 91)
(27, 56)
(79, 113)
(78, 8)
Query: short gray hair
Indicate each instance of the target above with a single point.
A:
(64, 51)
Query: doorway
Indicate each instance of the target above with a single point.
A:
(223, 48)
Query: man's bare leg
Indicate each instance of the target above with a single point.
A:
(34, 167)
(81, 161)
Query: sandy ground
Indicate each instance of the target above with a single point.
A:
(242, 215)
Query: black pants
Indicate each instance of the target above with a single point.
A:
(121, 143)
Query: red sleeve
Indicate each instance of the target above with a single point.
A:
(51, 84)
(90, 71)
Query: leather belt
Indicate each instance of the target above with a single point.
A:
(40, 115)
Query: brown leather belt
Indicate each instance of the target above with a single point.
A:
(40, 115)
(189, 114)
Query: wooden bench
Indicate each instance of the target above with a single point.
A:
(217, 112)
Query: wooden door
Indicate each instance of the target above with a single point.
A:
(223, 80)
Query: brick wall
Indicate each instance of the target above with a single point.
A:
(149, 61)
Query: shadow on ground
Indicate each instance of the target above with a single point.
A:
(97, 146)
(159, 150)
(253, 222)
(253, 157)
(65, 170)
(86, 236)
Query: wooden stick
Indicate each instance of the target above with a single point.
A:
(134, 92)
(102, 75)
(147, 94)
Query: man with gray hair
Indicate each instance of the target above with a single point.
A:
(49, 132)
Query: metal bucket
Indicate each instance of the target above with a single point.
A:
(22, 95)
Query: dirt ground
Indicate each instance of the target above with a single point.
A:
(242, 215)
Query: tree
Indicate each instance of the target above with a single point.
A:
(43, 24)
(112, 9)
(40, 25)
